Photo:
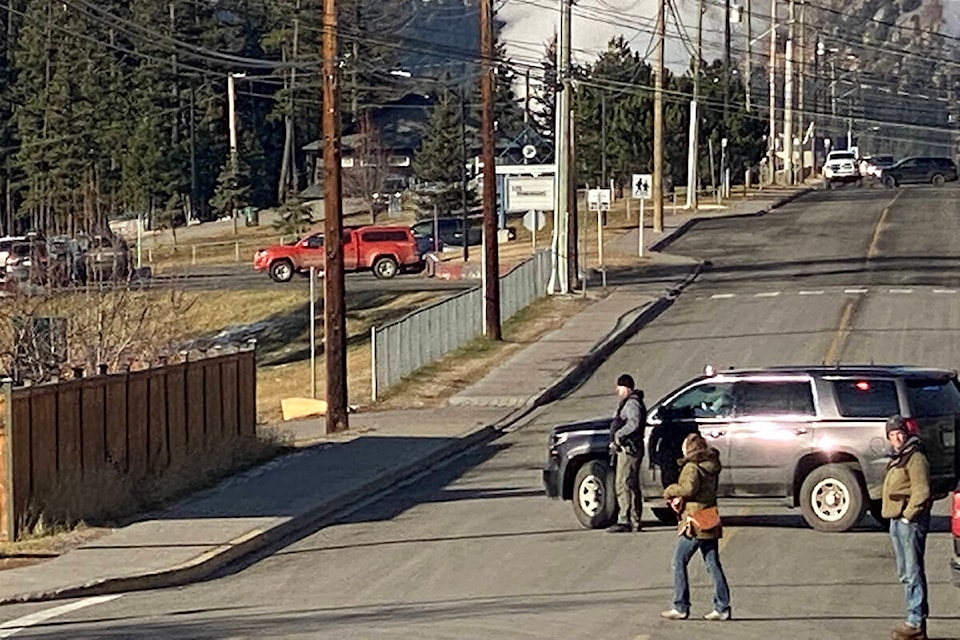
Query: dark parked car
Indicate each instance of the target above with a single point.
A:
(451, 232)
(955, 527)
(934, 171)
(808, 437)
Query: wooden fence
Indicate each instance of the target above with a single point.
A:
(87, 448)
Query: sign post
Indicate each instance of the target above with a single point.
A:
(599, 201)
(640, 190)
(533, 221)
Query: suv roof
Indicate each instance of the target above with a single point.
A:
(852, 370)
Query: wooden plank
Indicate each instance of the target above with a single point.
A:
(229, 400)
(92, 421)
(138, 442)
(247, 385)
(196, 411)
(177, 413)
(6, 475)
(69, 440)
(158, 457)
(213, 406)
(22, 476)
(115, 431)
(43, 442)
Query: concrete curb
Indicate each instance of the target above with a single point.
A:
(682, 230)
(210, 562)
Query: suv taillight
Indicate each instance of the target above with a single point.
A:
(955, 521)
(913, 428)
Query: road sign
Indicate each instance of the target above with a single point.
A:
(529, 151)
(534, 220)
(599, 199)
(641, 185)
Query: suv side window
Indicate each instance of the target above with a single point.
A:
(709, 400)
(863, 398)
(932, 398)
(774, 398)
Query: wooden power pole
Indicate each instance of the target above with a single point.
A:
(658, 121)
(334, 302)
(491, 267)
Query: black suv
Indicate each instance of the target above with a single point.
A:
(450, 232)
(935, 171)
(809, 437)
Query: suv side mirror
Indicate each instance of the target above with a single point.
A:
(653, 416)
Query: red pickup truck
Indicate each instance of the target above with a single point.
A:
(381, 249)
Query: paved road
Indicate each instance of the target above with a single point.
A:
(475, 551)
(203, 277)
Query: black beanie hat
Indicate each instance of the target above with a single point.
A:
(897, 423)
(626, 380)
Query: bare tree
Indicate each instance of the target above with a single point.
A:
(367, 179)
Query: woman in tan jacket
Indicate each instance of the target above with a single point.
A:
(697, 490)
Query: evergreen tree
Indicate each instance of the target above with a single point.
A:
(438, 164)
(543, 105)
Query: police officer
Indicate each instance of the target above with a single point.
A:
(626, 446)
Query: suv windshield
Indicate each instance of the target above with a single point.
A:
(841, 156)
(933, 397)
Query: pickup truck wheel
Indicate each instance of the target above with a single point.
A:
(938, 180)
(594, 495)
(832, 498)
(875, 509)
(385, 268)
(666, 516)
(281, 271)
(889, 182)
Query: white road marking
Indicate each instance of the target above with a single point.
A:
(856, 290)
(944, 290)
(768, 294)
(723, 296)
(13, 627)
(818, 292)
(900, 290)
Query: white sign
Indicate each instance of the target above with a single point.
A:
(599, 199)
(525, 193)
(529, 151)
(534, 220)
(641, 185)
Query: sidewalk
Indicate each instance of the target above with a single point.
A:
(303, 491)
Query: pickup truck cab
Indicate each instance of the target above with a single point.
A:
(384, 250)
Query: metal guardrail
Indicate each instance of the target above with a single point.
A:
(405, 345)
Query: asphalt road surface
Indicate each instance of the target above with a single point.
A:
(474, 550)
(206, 277)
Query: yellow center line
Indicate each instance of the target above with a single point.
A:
(840, 335)
(874, 242)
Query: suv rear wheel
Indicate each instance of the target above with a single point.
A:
(594, 495)
(832, 498)
(938, 180)
(281, 271)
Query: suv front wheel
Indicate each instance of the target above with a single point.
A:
(594, 495)
(832, 498)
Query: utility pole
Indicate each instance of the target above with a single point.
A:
(788, 100)
(658, 122)
(748, 73)
(603, 137)
(801, 81)
(693, 153)
(560, 276)
(463, 172)
(772, 134)
(334, 300)
(194, 198)
(491, 293)
(232, 115)
(726, 65)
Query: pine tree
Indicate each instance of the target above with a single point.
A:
(439, 163)
(543, 106)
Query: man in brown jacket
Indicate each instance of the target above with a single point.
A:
(906, 502)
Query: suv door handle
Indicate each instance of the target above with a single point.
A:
(801, 431)
(716, 433)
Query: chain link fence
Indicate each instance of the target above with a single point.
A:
(403, 346)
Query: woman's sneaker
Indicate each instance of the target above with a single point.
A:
(716, 615)
(673, 614)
